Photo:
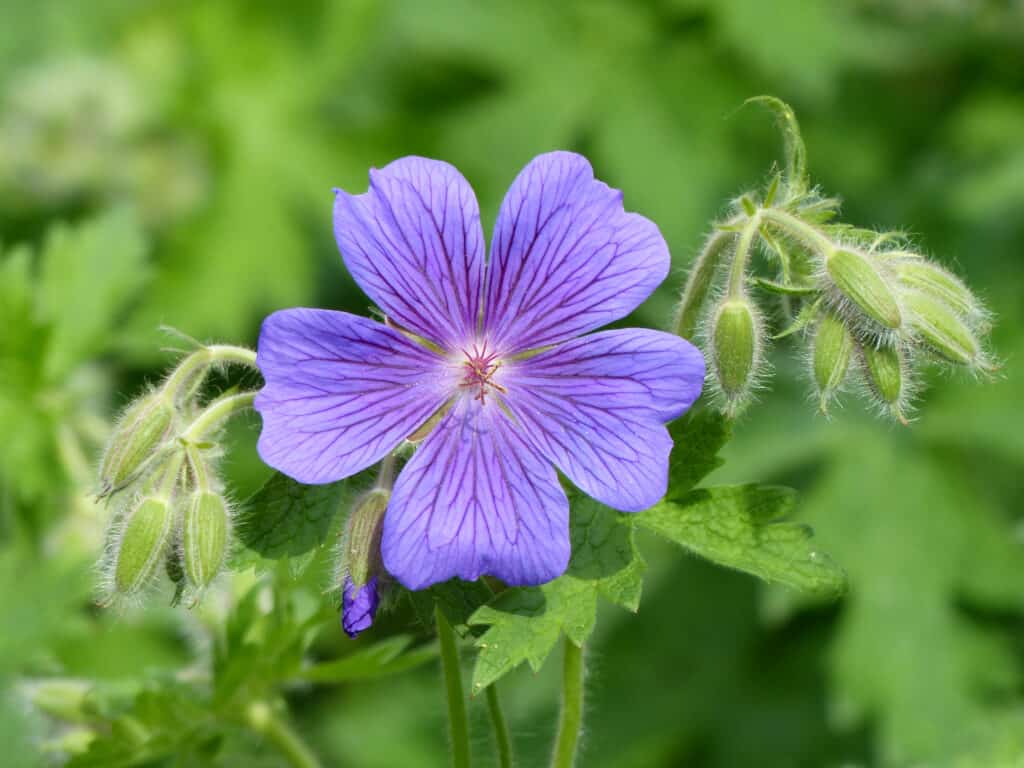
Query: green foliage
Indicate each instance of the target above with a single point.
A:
(743, 527)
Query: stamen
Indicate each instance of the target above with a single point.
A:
(480, 369)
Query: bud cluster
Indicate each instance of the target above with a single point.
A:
(869, 309)
(160, 473)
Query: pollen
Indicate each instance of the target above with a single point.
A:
(479, 368)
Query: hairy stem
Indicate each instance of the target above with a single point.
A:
(698, 282)
(570, 722)
(501, 734)
(738, 271)
(216, 413)
(797, 229)
(191, 370)
(261, 718)
(458, 721)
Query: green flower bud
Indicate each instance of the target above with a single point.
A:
(143, 544)
(860, 282)
(61, 698)
(833, 346)
(942, 329)
(886, 376)
(735, 348)
(144, 426)
(360, 557)
(941, 285)
(204, 537)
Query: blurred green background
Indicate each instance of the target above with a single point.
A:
(172, 162)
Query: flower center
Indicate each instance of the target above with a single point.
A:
(478, 371)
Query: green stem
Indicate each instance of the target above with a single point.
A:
(215, 414)
(501, 734)
(698, 282)
(458, 721)
(738, 271)
(191, 370)
(797, 229)
(261, 718)
(571, 720)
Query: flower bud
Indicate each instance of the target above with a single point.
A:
(886, 376)
(862, 284)
(942, 329)
(735, 348)
(143, 427)
(942, 285)
(143, 544)
(204, 537)
(360, 562)
(833, 346)
(61, 698)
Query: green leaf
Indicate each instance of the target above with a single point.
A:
(524, 623)
(286, 519)
(741, 527)
(457, 598)
(697, 437)
(88, 276)
(388, 657)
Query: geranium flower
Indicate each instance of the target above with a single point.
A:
(493, 347)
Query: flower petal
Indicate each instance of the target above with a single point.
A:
(413, 243)
(358, 606)
(595, 406)
(566, 258)
(475, 499)
(341, 392)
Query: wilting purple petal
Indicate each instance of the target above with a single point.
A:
(595, 406)
(476, 499)
(358, 606)
(413, 243)
(565, 257)
(341, 392)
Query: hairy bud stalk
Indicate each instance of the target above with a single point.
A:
(144, 426)
(833, 347)
(205, 535)
(861, 284)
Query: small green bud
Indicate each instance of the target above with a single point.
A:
(361, 553)
(941, 285)
(735, 349)
(942, 329)
(885, 375)
(144, 426)
(143, 544)
(204, 537)
(860, 281)
(833, 346)
(62, 698)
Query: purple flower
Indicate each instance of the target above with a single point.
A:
(494, 343)
(358, 606)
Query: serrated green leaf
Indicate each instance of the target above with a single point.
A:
(388, 657)
(457, 598)
(88, 275)
(286, 519)
(524, 623)
(741, 527)
(697, 438)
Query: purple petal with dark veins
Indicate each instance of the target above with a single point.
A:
(413, 243)
(476, 499)
(358, 606)
(341, 392)
(596, 406)
(565, 257)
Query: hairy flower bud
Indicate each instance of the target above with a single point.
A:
(204, 537)
(144, 426)
(942, 329)
(833, 346)
(861, 283)
(886, 377)
(942, 285)
(143, 543)
(735, 349)
(360, 562)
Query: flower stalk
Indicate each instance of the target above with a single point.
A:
(570, 721)
(458, 720)
(502, 738)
